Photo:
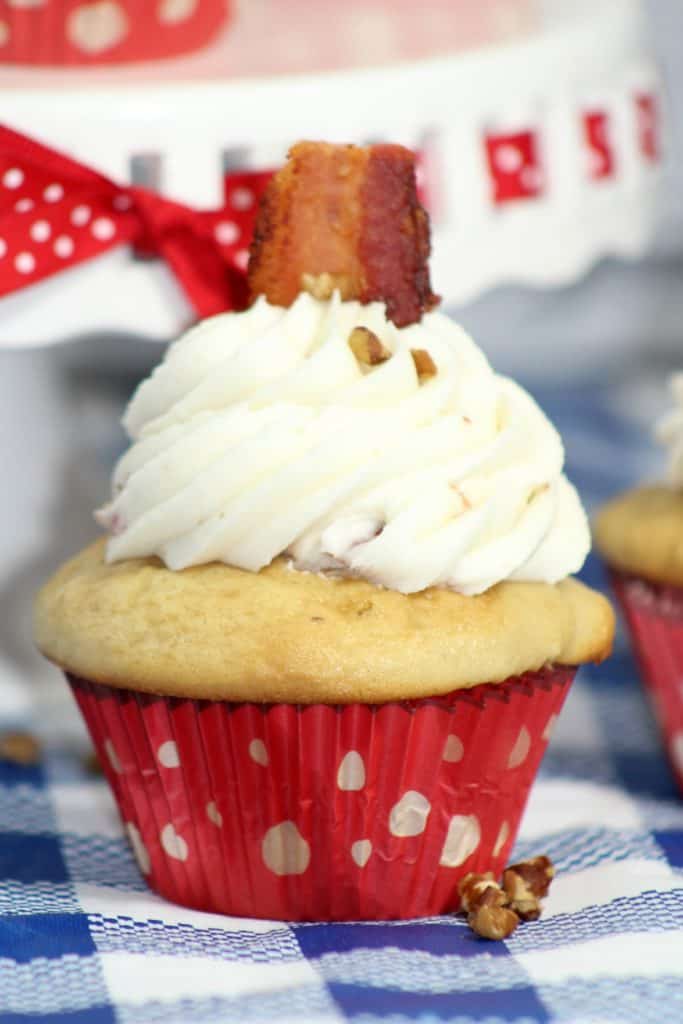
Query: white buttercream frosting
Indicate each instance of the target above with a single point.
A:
(260, 434)
(669, 430)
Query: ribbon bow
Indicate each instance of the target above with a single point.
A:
(56, 213)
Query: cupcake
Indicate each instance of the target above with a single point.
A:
(58, 33)
(323, 648)
(640, 536)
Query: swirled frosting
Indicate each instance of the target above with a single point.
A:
(669, 430)
(261, 434)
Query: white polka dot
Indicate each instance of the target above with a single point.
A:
(80, 215)
(677, 750)
(122, 202)
(508, 158)
(13, 178)
(26, 3)
(103, 229)
(40, 231)
(502, 838)
(3, 248)
(64, 246)
(168, 754)
(139, 848)
(53, 193)
(518, 754)
(4, 33)
(25, 263)
(173, 843)
(226, 232)
(453, 749)
(550, 727)
(242, 198)
(284, 850)
(351, 774)
(241, 258)
(258, 752)
(172, 11)
(462, 839)
(96, 27)
(360, 851)
(112, 756)
(24, 205)
(213, 814)
(409, 816)
(531, 178)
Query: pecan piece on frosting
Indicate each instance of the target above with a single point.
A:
(367, 347)
(322, 286)
(424, 364)
(351, 216)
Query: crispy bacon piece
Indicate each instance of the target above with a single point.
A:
(349, 216)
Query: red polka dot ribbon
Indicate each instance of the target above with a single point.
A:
(56, 213)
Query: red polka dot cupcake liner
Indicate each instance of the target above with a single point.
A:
(321, 812)
(82, 32)
(654, 615)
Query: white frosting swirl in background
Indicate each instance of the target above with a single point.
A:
(260, 434)
(669, 430)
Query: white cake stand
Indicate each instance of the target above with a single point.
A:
(541, 156)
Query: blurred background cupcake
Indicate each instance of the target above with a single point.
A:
(640, 535)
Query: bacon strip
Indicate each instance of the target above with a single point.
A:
(349, 216)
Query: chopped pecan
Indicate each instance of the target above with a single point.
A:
(367, 348)
(19, 748)
(526, 884)
(424, 364)
(490, 920)
(536, 492)
(473, 886)
(321, 286)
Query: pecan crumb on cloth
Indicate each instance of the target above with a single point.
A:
(19, 748)
(494, 911)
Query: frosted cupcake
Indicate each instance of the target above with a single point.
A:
(324, 646)
(640, 535)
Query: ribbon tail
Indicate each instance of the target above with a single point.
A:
(211, 285)
(29, 151)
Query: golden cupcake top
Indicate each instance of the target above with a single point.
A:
(221, 633)
(641, 530)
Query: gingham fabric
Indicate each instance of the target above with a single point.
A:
(83, 940)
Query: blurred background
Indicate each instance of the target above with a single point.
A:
(550, 159)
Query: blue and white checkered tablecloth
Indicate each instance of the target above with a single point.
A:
(83, 941)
